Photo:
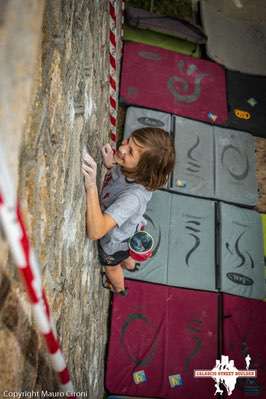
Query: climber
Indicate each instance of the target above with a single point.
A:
(141, 165)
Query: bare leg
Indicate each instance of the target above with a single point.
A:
(115, 275)
(128, 263)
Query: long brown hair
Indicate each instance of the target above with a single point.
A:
(157, 159)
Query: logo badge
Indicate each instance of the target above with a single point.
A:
(212, 116)
(252, 101)
(242, 114)
(175, 380)
(225, 374)
(139, 377)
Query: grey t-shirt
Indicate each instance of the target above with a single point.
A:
(126, 202)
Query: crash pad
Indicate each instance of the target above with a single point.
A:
(158, 336)
(214, 162)
(244, 327)
(137, 118)
(167, 81)
(235, 167)
(143, 19)
(241, 252)
(183, 229)
(247, 102)
(161, 40)
(236, 33)
(194, 168)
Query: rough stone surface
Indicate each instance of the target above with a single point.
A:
(70, 109)
(20, 34)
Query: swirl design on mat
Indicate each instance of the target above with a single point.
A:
(237, 176)
(190, 91)
(193, 162)
(192, 225)
(194, 327)
(242, 256)
(148, 353)
(150, 55)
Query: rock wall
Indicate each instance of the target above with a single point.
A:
(20, 32)
(70, 109)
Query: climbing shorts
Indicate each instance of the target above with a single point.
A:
(111, 260)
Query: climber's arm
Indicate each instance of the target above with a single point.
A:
(98, 223)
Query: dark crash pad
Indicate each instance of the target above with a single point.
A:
(247, 102)
(142, 19)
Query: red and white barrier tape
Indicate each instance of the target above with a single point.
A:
(112, 72)
(114, 59)
(123, 6)
(23, 254)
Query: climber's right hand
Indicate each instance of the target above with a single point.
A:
(89, 170)
(108, 156)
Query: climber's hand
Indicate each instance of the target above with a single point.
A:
(108, 156)
(89, 170)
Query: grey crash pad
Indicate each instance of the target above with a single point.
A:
(236, 31)
(214, 162)
(194, 168)
(184, 232)
(241, 252)
(235, 176)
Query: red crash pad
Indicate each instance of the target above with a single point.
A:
(245, 333)
(165, 80)
(159, 335)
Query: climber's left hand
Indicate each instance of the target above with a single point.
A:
(89, 170)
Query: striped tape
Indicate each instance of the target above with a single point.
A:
(114, 59)
(113, 95)
(26, 261)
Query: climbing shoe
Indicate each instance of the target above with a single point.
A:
(136, 268)
(122, 293)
